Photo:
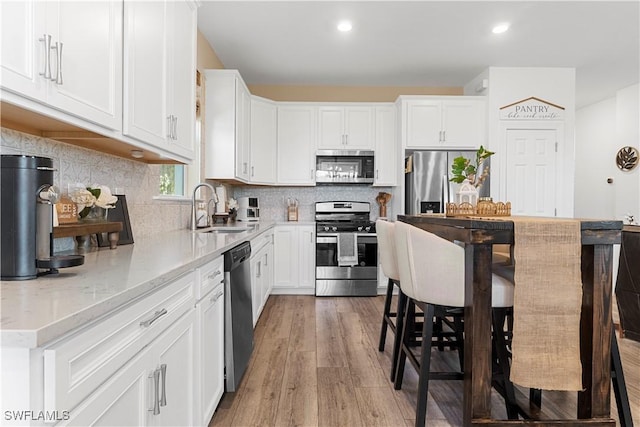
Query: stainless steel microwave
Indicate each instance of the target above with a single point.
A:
(344, 167)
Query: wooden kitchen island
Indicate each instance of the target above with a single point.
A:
(478, 236)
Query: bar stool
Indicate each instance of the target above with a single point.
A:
(387, 249)
(432, 275)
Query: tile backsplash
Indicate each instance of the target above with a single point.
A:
(138, 181)
(273, 200)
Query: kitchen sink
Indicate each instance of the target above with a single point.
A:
(225, 229)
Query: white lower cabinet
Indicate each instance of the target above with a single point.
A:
(156, 388)
(294, 256)
(261, 265)
(210, 343)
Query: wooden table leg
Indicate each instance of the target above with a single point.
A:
(595, 332)
(477, 339)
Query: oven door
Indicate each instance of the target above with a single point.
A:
(333, 279)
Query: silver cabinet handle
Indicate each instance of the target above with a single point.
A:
(156, 391)
(216, 297)
(156, 316)
(377, 174)
(444, 135)
(213, 275)
(311, 174)
(244, 165)
(46, 38)
(169, 127)
(252, 171)
(163, 396)
(266, 260)
(58, 48)
(175, 127)
(346, 140)
(259, 272)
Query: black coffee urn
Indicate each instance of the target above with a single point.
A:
(27, 196)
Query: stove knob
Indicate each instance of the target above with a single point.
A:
(326, 228)
(367, 228)
(359, 228)
(334, 228)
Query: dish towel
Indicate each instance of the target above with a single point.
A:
(547, 304)
(347, 249)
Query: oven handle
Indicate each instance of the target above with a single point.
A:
(333, 238)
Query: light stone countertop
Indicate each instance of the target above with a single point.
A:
(36, 312)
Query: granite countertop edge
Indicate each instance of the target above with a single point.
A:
(40, 311)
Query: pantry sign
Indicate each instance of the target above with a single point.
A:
(532, 109)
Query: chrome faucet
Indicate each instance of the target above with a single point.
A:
(214, 198)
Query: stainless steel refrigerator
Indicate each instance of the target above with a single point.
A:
(427, 185)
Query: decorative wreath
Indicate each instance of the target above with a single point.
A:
(627, 158)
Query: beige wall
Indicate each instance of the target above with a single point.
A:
(346, 93)
(207, 59)
(206, 56)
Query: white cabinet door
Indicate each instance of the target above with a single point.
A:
(255, 265)
(23, 55)
(307, 256)
(227, 126)
(87, 63)
(294, 259)
(264, 134)
(159, 73)
(124, 400)
(296, 145)
(331, 127)
(424, 121)
(444, 123)
(145, 72)
(359, 128)
(77, 46)
(212, 353)
(286, 254)
(345, 127)
(463, 123)
(243, 127)
(175, 359)
(182, 82)
(386, 156)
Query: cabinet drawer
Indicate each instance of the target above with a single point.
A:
(76, 366)
(263, 239)
(211, 275)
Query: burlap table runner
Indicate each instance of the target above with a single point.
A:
(547, 301)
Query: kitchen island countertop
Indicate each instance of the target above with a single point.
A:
(36, 312)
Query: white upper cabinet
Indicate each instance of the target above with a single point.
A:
(67, 55)
(296, 144)
(264, 134)
(159, 70)
(345, 127)
(386, 147)
(227, 126)
(436, 122)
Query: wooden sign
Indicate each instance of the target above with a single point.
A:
(532, 109)
(67, 211)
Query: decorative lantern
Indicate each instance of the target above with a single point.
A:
(467, 193)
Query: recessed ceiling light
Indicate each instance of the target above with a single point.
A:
(500, 28)
(345, 26)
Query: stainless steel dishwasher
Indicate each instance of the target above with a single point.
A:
(238, 319)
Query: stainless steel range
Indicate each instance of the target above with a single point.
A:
(346, 250)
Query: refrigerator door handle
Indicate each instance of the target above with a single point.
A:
(445, 193)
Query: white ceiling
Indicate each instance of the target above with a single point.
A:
(425, 43)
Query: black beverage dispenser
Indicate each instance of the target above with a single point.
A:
(27, 197)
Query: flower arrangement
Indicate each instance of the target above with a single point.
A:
(96, 195)
(462, 168)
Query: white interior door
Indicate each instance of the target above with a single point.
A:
(531, 171)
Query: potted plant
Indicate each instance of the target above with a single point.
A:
(470, 175)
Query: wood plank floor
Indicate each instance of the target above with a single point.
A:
(316, 363)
